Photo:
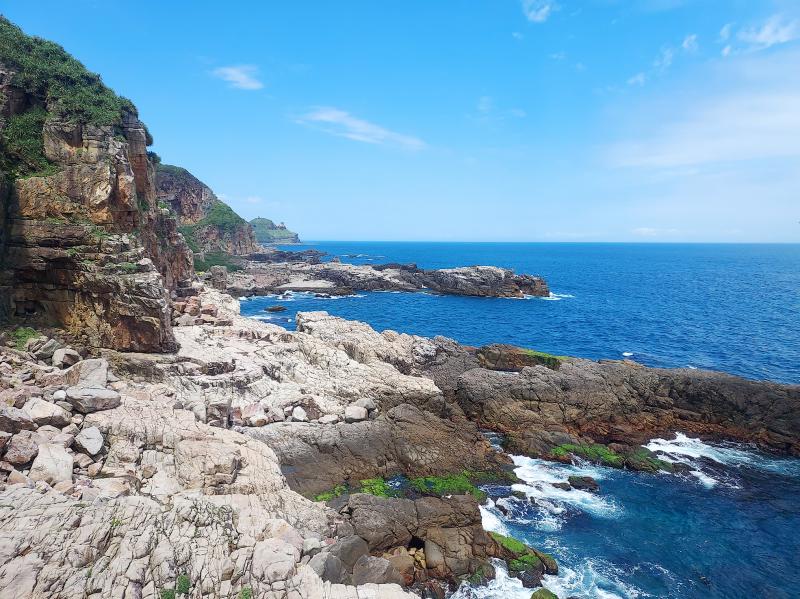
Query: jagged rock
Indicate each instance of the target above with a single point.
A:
(65, 357)
(45, 352)
(90, 439)
(584, 483)
(52, 464)
(22, 448)
(43, 412)
(13, 420)
(17, 478)
(376, 570)
(87, 399)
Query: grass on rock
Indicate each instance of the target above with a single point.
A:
(22, 335)
(593, 453)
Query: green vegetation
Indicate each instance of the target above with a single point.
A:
(545, 359)
(221, 217)
(377, 487)
(268, 232)
(451, 484)
(337, 491)
(22, 335)
(128, 267)
(246, 593)
(47, 72)
(643, 459)
(23, 147)
(516, 547)
(167, 593)
(215, 259)
(525, 562)
(543, 594)
(594, 453)
(183, 585)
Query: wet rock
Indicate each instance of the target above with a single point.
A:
(584, 483)
(275, 309)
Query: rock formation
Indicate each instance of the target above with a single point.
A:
(340, 278)
(267, 232)
(208, 224)
(84, 245)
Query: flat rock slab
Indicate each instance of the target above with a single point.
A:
(89, 399)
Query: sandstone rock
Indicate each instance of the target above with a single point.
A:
(52, 464)
(13, 420)
(90, 440)
(88, 373)
(87, 399)
(375, 570)
(22, 448)
(354, 414)
(43, 412)
(65, 357)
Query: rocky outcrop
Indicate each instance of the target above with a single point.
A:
(625, 403)
(333, 277)
(85, 246)
(208, 224)
(267, 232)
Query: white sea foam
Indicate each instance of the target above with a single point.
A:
(491, 521)
(627, 354)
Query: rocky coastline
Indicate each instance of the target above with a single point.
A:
(275, 455)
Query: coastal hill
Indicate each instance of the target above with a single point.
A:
(207, 223)
(267, 232)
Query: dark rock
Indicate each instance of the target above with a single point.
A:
(349, 549)
(329, 568)
(376, 570)
(562, 486)
(275, 309)
(584, 483)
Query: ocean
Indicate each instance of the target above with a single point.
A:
(726, 529)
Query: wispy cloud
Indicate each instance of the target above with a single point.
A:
(538, 11)
(239, 76)
(725, 32)
(652, 232)
(776, 30)
(517, 35)
(689, 43)
(638, 79)
(485, 104)
(664, 59)
(342, 124)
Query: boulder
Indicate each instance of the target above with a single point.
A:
(273, 560)
(90, 440)
(377, 570)
(543, 594)
(22, 448)
(355, 414)
(366, 402)
(91, 399)
(43, 412)
(349, 550)
(299, 414)
(13, 420)
(53, 464)
(88, 373)
(17, 478)
(329, 568)
(45, 352)
(65, 357)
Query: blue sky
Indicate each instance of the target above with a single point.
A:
(507, 120)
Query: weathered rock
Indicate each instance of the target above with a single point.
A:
(369, 569)
(90, 440)
(43, 412)
(45, 352)
(329, 568)
(22, 448)
(355, 414)
(53, 464)
(87, 399)
(349, 549)
(88, 373)
(65, 357)
(13, 420)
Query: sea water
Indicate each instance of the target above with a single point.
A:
(728, 527)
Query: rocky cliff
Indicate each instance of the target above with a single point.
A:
(207, 223)
(268, 232)
(85, 245)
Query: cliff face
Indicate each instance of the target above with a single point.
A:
(208, 224)
(268, 232)
(84, 244)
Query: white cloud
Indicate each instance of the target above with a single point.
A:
(664, 58)
(776, 30)
(240, 77)
(752, 117)
(485, 104)
(638, 79)
(342, 124)
(726, 51)
(725, 32)
(689, 43)
(538, 11)
(654, 232)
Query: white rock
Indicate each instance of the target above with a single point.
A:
(52, 465)
(90, 440)
(329, 419)
(43, 412)
(88, 373)
(299, 414)
(59, 395)
(367, 403)
(355, 414)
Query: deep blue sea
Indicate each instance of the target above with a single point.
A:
(728, 529)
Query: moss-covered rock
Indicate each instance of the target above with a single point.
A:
(543, 594)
